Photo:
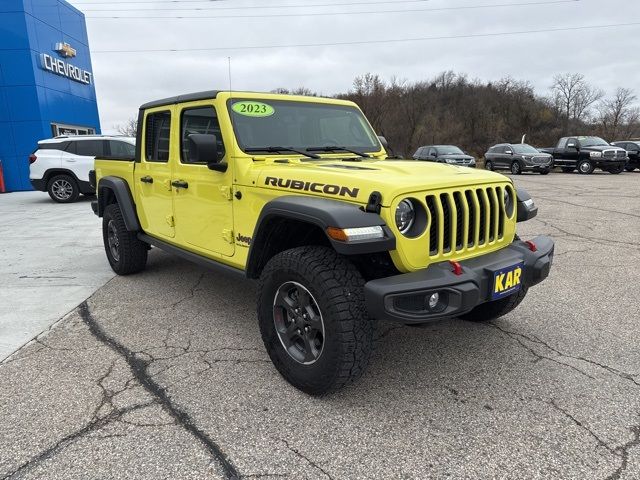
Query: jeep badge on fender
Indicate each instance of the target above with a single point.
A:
(275, 188)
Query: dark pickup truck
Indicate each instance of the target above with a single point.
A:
(586, 154)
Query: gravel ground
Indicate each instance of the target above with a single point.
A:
(163, 375)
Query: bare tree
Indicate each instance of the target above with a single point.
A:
(129, 129)
(573, 97)
(617, 114)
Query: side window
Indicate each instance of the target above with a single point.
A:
(122, 149)
(157, 134)
(198, 120)
(90, 148)
(562, 143)
(432, 152)
(573, 141)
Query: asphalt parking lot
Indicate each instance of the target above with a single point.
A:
(163, 375)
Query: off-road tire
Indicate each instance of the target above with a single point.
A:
(567, 170)
(585, 171)
(55, 189)
(488, 165)
(337, 288)
(498, 308)
(516, 169)
(132, 253)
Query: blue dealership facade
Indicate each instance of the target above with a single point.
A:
(46, 81)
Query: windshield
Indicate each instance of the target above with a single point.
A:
(523, 148)
(449, 150)
(301, 126)
(592, 141)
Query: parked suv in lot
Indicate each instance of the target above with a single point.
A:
(61, 165)
(633, 152)
(445, 154)
(297, 193)
(586, 154)
(518, 158)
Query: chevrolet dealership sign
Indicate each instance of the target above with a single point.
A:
(65, 69)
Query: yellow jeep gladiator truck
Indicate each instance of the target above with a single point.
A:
(298, 193)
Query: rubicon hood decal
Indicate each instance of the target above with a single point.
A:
(312, 187)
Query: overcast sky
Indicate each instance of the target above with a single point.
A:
(608, 57)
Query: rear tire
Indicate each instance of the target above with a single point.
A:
(496, 309)
(63, 189)
(329, 348)
(125, 252)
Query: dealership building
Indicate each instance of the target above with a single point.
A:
(46, 81)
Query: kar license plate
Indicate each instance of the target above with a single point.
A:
(507, 281)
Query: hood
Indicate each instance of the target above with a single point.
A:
(601, 148)
(355, 181)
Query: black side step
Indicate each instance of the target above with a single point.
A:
(192, 257)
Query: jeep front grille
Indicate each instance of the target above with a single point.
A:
(466, 219)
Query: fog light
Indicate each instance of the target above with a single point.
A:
(434, 299)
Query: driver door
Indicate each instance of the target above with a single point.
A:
(202, 197)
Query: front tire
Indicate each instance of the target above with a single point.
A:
(496, 309)
(63, 189)
(125, 252)
(313, 319)
(516, 169)
(585, 167)
(629, 169)
(544, 172)
(488, 165)
(616, 170)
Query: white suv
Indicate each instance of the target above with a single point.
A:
(61, 165)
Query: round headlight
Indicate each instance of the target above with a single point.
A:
(508, 201)
(405, 216)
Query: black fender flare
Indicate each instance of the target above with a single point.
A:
(322, 213)
(525, 212)
(122, 192)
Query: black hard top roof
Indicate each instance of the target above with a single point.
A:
(189, 97)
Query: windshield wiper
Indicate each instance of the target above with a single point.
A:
(280, 149)
(331, 148)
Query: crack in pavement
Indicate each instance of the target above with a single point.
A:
(94, 425)
(139, 369)
(622, 451)
(589, 207)
(518, 336)
(304, 457)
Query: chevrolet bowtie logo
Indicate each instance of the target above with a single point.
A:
(65, 50)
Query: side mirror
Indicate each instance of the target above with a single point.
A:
(203, 148)
(383, 141)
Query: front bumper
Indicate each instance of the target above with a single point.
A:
(401, 298)
(608, 164)
(537, 167)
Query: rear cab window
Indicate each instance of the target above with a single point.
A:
(157, 136)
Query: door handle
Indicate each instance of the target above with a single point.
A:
(146, 179)
(180, 184)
